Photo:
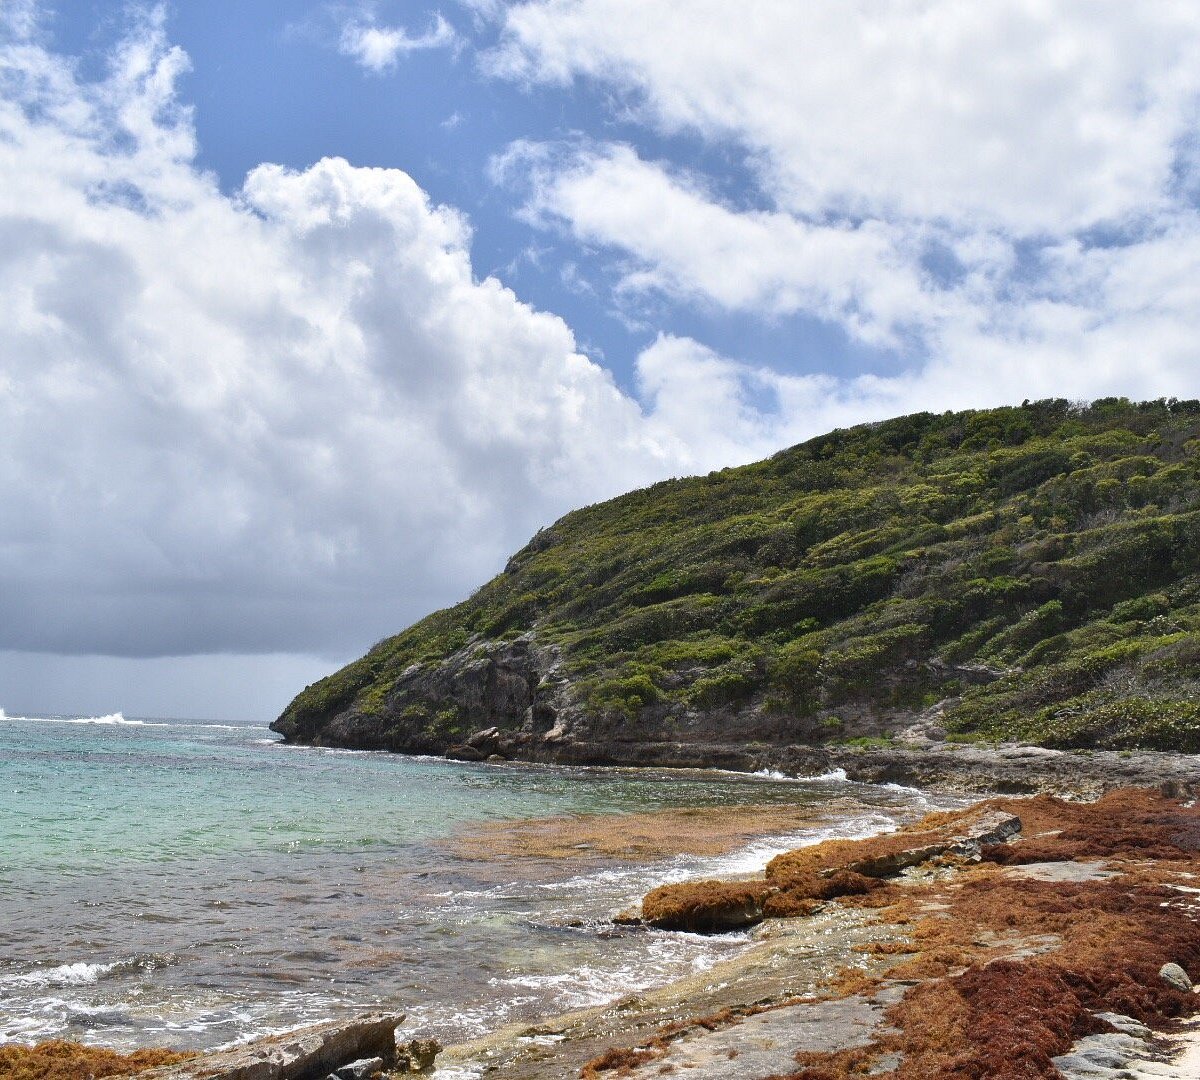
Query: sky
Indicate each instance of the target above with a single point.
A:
(311, 314)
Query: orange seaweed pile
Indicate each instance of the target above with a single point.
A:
(63, 1060)
(704, 906)
(796, 882)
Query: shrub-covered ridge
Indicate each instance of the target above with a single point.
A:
(1026, 573)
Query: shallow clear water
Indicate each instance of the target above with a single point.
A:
(193, 883)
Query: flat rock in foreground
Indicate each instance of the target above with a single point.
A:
(310, 1053)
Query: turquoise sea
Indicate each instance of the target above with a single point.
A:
(194, 883)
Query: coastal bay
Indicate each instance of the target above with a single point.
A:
(199, 884)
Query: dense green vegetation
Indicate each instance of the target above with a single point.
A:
(1052, 549)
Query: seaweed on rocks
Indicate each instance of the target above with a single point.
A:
(1006, 959)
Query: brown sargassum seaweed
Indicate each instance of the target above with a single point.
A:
(1003, 971)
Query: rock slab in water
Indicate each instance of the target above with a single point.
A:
(310, 1053)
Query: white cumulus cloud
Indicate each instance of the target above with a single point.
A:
(1030, 115)
(281, 420)
(1003, 195)
(293, 418)
(379, 48)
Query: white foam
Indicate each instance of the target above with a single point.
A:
(78, 974)
(202, 726)
(27, 1029)
(580, 988)
(116, 719)
(669, 955)
(921, 799)
(108, 719)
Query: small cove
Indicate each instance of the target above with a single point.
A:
(195, 883)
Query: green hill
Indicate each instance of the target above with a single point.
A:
(1028, 573)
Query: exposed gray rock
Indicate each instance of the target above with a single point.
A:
(1019, 770)
(766, 1044)
(1126, 1024)
(306, 1054)
(1132, 1052)
(1087, 870)
(485, 738)
(1174, 975)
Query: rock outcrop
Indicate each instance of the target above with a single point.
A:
(310, 1053)
(798, 882)
(905, 581)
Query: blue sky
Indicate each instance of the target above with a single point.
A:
(311, 314)
(269, 83)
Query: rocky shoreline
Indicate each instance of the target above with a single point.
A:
(1032, 939)
(513, 702)
(969, 768)
(1057, 946)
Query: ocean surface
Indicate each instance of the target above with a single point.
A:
(195, 883)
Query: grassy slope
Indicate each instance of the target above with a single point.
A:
(1058, 543)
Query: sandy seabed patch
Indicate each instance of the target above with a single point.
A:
(656, 834)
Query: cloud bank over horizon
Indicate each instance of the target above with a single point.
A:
(293, 417)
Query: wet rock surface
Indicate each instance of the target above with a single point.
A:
(765, 1044)
(362, 1069)
(788, 960)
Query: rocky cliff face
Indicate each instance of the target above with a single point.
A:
(513, 700)
(511, 687)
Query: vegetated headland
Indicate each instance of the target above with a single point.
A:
(892, 599)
